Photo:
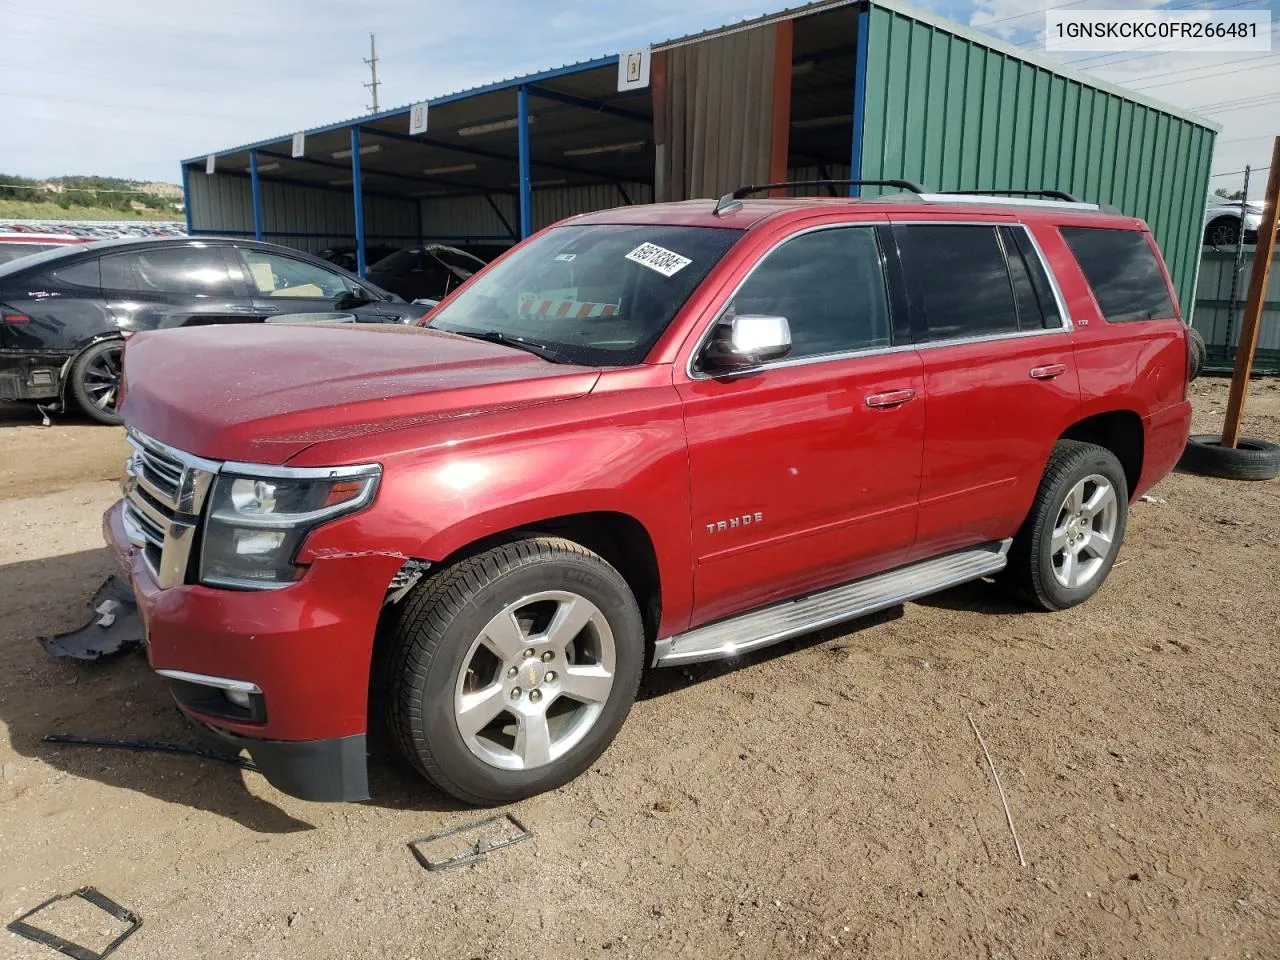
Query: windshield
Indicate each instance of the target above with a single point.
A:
(402, 261)
(598, 294)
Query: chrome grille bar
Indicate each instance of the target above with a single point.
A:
(165, 490)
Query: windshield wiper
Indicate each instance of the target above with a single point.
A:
(520, 343)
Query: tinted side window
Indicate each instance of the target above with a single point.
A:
(829, 284)
(79, 279)
(1030, 314)
(1123, 271)
(957, 276)
(1039, 278)
(193, 271)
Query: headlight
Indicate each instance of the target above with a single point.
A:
(257, 523)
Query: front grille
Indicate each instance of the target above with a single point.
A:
(165, 491)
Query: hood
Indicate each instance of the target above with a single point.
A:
(262, 393)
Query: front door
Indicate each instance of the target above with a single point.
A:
(805, 472)
(287, 285)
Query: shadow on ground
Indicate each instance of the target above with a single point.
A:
(120, 696)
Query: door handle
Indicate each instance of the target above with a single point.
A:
(1048, 371)
(893, 398)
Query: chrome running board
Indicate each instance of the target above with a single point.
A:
(759, 628)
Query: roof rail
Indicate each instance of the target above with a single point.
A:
(1050, 194)
(732, 201)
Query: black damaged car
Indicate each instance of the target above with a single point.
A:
(64, 314)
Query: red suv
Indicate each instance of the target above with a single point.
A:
(645, 436)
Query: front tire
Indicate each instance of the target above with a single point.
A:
(95, 380)
(1069, 541)
(511, 671)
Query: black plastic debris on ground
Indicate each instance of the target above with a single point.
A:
(476, 849)
(160, 746)
(66, 947)
(114, 628)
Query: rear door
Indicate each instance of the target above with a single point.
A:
(173, 285)
(1000, 376)
(804, 472)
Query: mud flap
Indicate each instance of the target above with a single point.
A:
(116, 626)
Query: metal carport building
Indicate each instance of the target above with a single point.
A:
(864, 88)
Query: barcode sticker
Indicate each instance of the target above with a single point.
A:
(666, 262)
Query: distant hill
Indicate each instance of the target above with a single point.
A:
(84, 198)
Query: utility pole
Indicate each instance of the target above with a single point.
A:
(1253, 304)
(372, 61)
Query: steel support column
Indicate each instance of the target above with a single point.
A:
(186, 195)
(357, 194)
(526, 189)
(255, 189)
(861, 54)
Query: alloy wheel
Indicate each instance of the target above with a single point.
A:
(101, 378)
(1085, 531)
(535, 681)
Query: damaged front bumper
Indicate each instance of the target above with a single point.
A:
(282, 673)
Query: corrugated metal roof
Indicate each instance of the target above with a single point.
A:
(788, 13)
(579, 66)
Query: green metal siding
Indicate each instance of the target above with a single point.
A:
(954, 114)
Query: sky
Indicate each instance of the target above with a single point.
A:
(128, 88)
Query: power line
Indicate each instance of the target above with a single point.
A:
(1265, 136)
(1237, 173)
(1209, 66)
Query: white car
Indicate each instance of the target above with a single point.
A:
(1222, 222)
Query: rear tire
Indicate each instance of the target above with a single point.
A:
(511, 671)
(1069, 541)
(94, 380)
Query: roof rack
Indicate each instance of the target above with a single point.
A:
(732, 201)
(1050, 194)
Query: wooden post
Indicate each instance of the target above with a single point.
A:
(1253, 303)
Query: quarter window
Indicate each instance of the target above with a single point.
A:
(829, 284)
(277, 276)
(957, 277)
(1123, 271)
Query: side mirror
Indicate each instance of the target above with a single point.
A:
(748, 340)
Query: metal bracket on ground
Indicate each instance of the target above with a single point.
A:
(476, 850)
(66, 947)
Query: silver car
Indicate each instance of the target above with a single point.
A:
(1222, 221)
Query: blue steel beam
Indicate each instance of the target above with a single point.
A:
(357, 195)
(186, 195)
(289, 182)
(488, 154)
(526, 188)
(255, 189)
(411, 178)
(565, 71)
(861, 52)
(503, 217)
(595, 106)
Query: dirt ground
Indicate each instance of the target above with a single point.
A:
(825, 798)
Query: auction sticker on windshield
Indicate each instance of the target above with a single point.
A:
(666, 262)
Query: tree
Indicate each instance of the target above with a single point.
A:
(1226, 195)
